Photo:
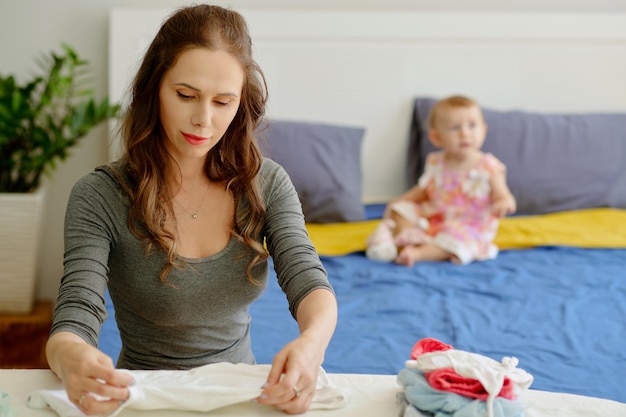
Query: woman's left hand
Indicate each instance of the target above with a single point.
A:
(292, 380)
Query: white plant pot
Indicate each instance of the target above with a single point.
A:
(20, 231)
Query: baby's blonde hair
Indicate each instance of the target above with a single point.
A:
(449, 103)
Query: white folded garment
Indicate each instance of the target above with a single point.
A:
(489, 372)
(201, 389)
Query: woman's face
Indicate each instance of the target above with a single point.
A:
(199, 97)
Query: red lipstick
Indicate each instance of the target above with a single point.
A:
(193, 139)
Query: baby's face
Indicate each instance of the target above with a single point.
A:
(461, 129)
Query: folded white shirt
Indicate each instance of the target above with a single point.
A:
(489, 372)
(201, 389)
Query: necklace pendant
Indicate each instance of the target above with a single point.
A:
(194, 216)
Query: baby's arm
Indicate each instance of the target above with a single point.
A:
(416, 194)
(502, 200)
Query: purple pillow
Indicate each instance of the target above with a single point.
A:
(324, 163)
(555, 162)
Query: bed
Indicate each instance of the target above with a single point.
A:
(555, 297)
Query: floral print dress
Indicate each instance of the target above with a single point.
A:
(459, 207)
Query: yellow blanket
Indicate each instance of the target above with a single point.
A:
(590, 228)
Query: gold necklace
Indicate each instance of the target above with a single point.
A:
(194, 215)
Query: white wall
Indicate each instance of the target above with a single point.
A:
(32, 27)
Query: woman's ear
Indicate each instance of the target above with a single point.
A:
(433, 136)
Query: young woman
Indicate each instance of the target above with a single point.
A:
(181, 227)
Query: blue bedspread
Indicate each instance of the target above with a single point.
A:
(561, 311)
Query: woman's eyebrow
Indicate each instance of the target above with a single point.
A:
(188, 86)
(199, 91)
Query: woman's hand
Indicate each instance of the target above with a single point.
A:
(292, 380)
(88, 375)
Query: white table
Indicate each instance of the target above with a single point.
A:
(369, 395)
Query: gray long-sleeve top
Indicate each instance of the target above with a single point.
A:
(203, 316)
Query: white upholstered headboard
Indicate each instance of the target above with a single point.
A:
(364, 68)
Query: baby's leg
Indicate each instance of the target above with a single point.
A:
(380, 245)
(426, 252)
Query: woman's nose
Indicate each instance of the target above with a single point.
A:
(201, 116)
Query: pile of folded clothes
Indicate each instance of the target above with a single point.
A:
(440, 381)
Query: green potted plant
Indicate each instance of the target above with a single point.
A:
(40, 121)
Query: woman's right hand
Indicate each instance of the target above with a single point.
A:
(88, 375)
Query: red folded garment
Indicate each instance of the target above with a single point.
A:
(426, 345)
(446, 379)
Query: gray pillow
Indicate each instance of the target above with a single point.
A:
(324, 163)
(555, 162)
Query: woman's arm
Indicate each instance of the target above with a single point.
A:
(292, 380)
(317, 319)
(293, 376)
(80, 308)
(84, 370)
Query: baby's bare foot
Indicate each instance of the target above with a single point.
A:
(407, 256)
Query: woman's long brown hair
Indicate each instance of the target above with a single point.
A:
(235, 159)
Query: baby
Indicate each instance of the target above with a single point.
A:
(452, 213)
